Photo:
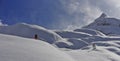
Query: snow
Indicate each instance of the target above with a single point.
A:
(76, 39)
(14, 48)
(69, 45)
(98, 55)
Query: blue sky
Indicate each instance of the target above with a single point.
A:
(40, 12)
(56, 14)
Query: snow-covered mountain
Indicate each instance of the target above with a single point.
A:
(59, 45)
(108, 26)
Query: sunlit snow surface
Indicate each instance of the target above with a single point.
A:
(17, 43)
(14, 48)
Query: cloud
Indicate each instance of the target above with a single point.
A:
(78, 13)
(111, 7)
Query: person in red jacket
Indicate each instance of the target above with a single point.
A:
(35, 36)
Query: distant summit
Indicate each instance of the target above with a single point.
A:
(108, 26)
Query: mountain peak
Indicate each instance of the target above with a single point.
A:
(103, 15)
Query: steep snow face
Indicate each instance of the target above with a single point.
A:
(14, 48)
(109, 26)
(27, 30)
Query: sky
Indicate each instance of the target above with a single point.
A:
(57, 14)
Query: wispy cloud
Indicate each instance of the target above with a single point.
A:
(78, 13)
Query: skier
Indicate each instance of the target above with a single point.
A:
(35, 36)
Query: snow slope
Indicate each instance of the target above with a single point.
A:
(14, 48)
(95, 55)
(28, 31)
